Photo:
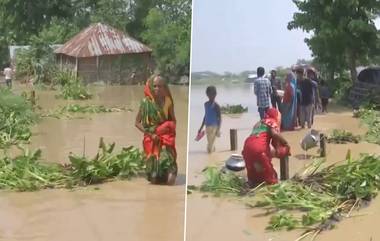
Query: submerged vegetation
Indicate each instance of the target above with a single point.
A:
(26, 173)
(71, 86)
(106, 165)
(342, 137)
(65, 111)
(313, 200)
(16, 118)
(371, 118)
(233, 109)
(219, 182)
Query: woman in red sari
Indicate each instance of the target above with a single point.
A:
(157, 121)
(257, 149)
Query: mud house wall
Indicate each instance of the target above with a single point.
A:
(87, 69)
(123, 69)
(66, 62)
(112, 69)
(139, 64)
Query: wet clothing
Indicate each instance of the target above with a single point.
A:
(256, 151)
(211, 132)
(155, 119)
(211, 114)
(212, 122)
(257, 156)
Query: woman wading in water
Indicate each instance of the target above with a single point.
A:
(157, 121)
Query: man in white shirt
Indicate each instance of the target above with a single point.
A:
(8, 72)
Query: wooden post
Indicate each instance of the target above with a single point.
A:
(322, 144)
(284, 168)
(33, 97)
(76, 66)
(97, 68)
(233, 139)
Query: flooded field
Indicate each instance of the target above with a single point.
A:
(120, 210)
(225, 219)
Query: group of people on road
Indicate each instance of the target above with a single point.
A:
(304, 95)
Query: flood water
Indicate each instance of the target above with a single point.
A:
(225, 219)
(120, 210)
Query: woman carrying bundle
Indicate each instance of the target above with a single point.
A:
(157, 121)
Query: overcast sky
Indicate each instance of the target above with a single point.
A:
(244, 34)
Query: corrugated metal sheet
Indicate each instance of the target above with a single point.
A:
(100, 39)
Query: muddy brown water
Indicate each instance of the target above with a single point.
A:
(225, 219)
(120, 210)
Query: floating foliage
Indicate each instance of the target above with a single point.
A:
(219, 182)
(16, 118)
(83, 109)
(322, 195)
(106, 164)
(371, 118)
(72, 87)
(342, 137)
(233, 109)
(159, 169)
(26, 173)
(314, 199)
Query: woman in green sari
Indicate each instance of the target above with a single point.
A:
(157, 121)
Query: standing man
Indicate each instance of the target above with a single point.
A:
(306, 98)
(263, 91)
(312, 75)
(275, 98)
(8, 72)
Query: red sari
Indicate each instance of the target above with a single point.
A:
(256, 152)
(156, 122)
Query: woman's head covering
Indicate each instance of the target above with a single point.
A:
(149, 89)
(290, 76)
(272, 118)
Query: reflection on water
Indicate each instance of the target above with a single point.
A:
(122, 210)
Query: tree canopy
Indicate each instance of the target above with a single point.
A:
(344, 34)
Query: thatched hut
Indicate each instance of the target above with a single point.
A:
(102, 53)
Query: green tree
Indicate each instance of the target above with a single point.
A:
(343, 31)
(138, 11)
(168, 31)
(112, 12)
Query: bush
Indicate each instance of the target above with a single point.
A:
(36, 62)
(16, 118)
(341, 89)
(72, 87)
